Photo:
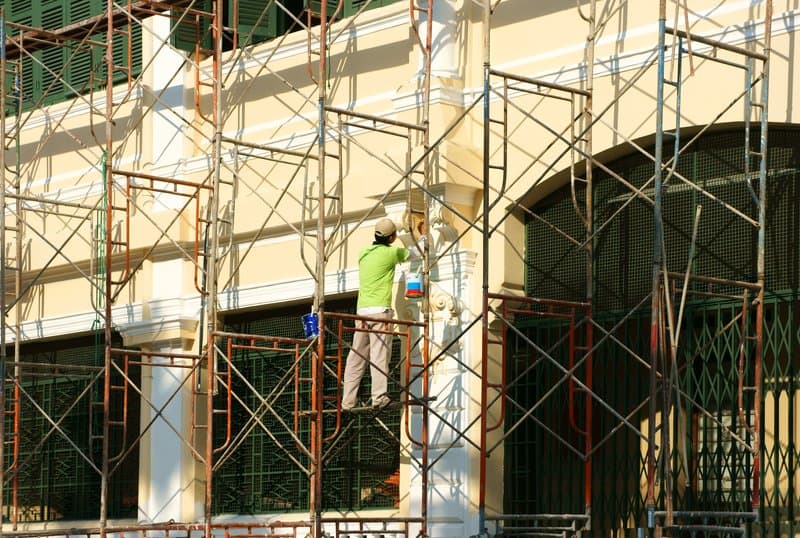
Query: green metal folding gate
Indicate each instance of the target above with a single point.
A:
(709, 470)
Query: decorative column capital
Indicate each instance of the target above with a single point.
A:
(448, 204)
(170, 323)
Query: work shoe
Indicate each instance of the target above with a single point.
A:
(381, 402)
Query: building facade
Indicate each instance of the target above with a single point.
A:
(605, 342)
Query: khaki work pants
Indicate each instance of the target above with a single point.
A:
(368, 348)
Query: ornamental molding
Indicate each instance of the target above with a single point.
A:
(179, 317)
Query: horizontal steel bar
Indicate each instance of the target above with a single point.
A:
(549, 531)
(393, 321)
(714, 280)
(706, 528)
(262, 338)
(151, 177)
(543, 83)
(540, 93)
(372, 520)
(716, 59)
(717, 44)
(538, 300)
(49, 201)
(273, 149)
(139, 353)
(78, 367)
(373, 128)
(387, 121)
(540, 517)
(718, 514)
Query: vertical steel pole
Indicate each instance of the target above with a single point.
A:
(209, 452)
(2, 259)
(761, 261)
(426, 134)
(19, 234)
(589, 212)
(657, 254)
(211, 255)
(319, 291)
(109, 179)
(487, 19)
(3, 272)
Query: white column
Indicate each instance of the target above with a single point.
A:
(450, 501)
(444, 39)
(168, 488)
(169, 133)
(171, 464)
(449, 479)
(168, 78)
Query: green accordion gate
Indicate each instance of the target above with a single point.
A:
(361, 469)
(710, 463)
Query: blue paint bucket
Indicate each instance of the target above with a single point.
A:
(311, 325)
(413, 286)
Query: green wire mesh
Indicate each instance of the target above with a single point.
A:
(55, 480)
(709, 470)
(362, 465)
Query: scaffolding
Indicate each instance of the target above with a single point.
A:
(569, 344)
(558, 334)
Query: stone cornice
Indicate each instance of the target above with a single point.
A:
(164, 332)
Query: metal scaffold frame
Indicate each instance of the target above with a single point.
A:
(211, 371)
(669, 289)
(114, 268)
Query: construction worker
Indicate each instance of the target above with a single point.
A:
(376, 266)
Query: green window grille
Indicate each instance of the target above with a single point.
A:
(55, 480)
(362, 466)
(59, 73)
(709, 471)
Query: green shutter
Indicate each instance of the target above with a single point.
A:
(21, 11)
(186, 33)
(82, 60)
(136, 53)
(349, 8)
(257, 20)
(72, 69)
(50, 85)
(121, 53)
(17, 8)
(83, 71)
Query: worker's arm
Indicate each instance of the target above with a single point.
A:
(415, 249)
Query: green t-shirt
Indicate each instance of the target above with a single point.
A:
(376, 265)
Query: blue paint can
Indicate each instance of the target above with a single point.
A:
(311, 325)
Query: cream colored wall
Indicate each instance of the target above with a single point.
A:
(777, 439)
(274, 103)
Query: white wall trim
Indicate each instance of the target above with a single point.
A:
(166, 311)
(65, 110)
